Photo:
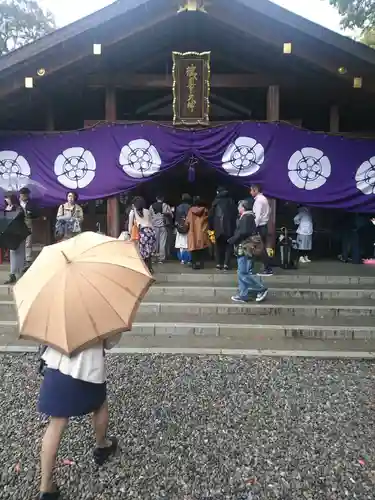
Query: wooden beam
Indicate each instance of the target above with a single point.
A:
(70, 55)
(312, 53)
(273, 103)
(123, 80)
(234, 106)
(273, 115)
(113, 205)
(334, 119)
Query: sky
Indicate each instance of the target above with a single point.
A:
(318, 11)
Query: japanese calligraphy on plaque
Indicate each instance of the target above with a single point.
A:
(191, 88)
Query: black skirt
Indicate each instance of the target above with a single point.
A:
(62, 396)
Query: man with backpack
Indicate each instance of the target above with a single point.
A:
(222, 220)
(182, 229)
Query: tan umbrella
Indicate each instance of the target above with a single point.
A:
(81, 291)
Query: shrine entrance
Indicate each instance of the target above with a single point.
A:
(198, 180)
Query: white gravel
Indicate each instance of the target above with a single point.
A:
(204, 428)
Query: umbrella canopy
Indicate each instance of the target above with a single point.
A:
(14, 183)
(81, 291)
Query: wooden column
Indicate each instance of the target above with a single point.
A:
(43, 227)
(334, 119)
(113, 206)
(50, 117)
(273, 115)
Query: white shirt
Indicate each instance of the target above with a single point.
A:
(144, 221)
(304, 221)
(87, 365)
(261, 209)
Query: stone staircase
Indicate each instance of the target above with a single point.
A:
(311, 309)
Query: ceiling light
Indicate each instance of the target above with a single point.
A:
(357, 82)
(97, 49)
(29, 82)
(287, 49)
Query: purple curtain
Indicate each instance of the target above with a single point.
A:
(291, 164)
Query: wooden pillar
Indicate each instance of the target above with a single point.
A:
(113, 206)
(273, 115)
(334, 119)
(44, 226)
(50, 118)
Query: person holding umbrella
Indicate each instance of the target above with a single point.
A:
(73, 387)
(104, 281)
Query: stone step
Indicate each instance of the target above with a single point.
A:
(186, 291)
(291, 277)
(203, 306)
(280, 343)
(242, 346)
(312, 292)
(233, 327)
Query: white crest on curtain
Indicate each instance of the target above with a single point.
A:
(309, 168)
(243, 157)
(140, 159)
(365, 177)
(13, 168)
(75, 167)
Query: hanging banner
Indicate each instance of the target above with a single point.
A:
(191, 88)
(291, 164)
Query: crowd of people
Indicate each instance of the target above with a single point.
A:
(220, 229)
(20, 205)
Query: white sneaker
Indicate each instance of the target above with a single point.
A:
(261, 296)
(302, 260)
(307, 260)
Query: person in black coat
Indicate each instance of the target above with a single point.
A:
(222, 220)
(248, 283)
(17, 257)
(31, 212)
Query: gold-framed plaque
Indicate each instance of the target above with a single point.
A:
(191, 88)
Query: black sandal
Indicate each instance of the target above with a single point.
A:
(101, 455)
(55, 495)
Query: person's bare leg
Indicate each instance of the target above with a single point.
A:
(50, 446)
(100, 423)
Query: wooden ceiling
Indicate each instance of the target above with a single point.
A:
(137, 36)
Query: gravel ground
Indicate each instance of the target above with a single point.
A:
(205, 428)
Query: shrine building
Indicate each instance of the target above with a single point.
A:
(188, 66)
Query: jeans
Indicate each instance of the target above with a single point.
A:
(248, 283)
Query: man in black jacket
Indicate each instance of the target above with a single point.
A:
(248, 283)
(222, 220)
(31, 212)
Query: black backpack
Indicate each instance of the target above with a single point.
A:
(182, 226)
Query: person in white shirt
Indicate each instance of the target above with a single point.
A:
(262, 212)
(161, 216)
(140, 217)
(304, 233)
(72, 387)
